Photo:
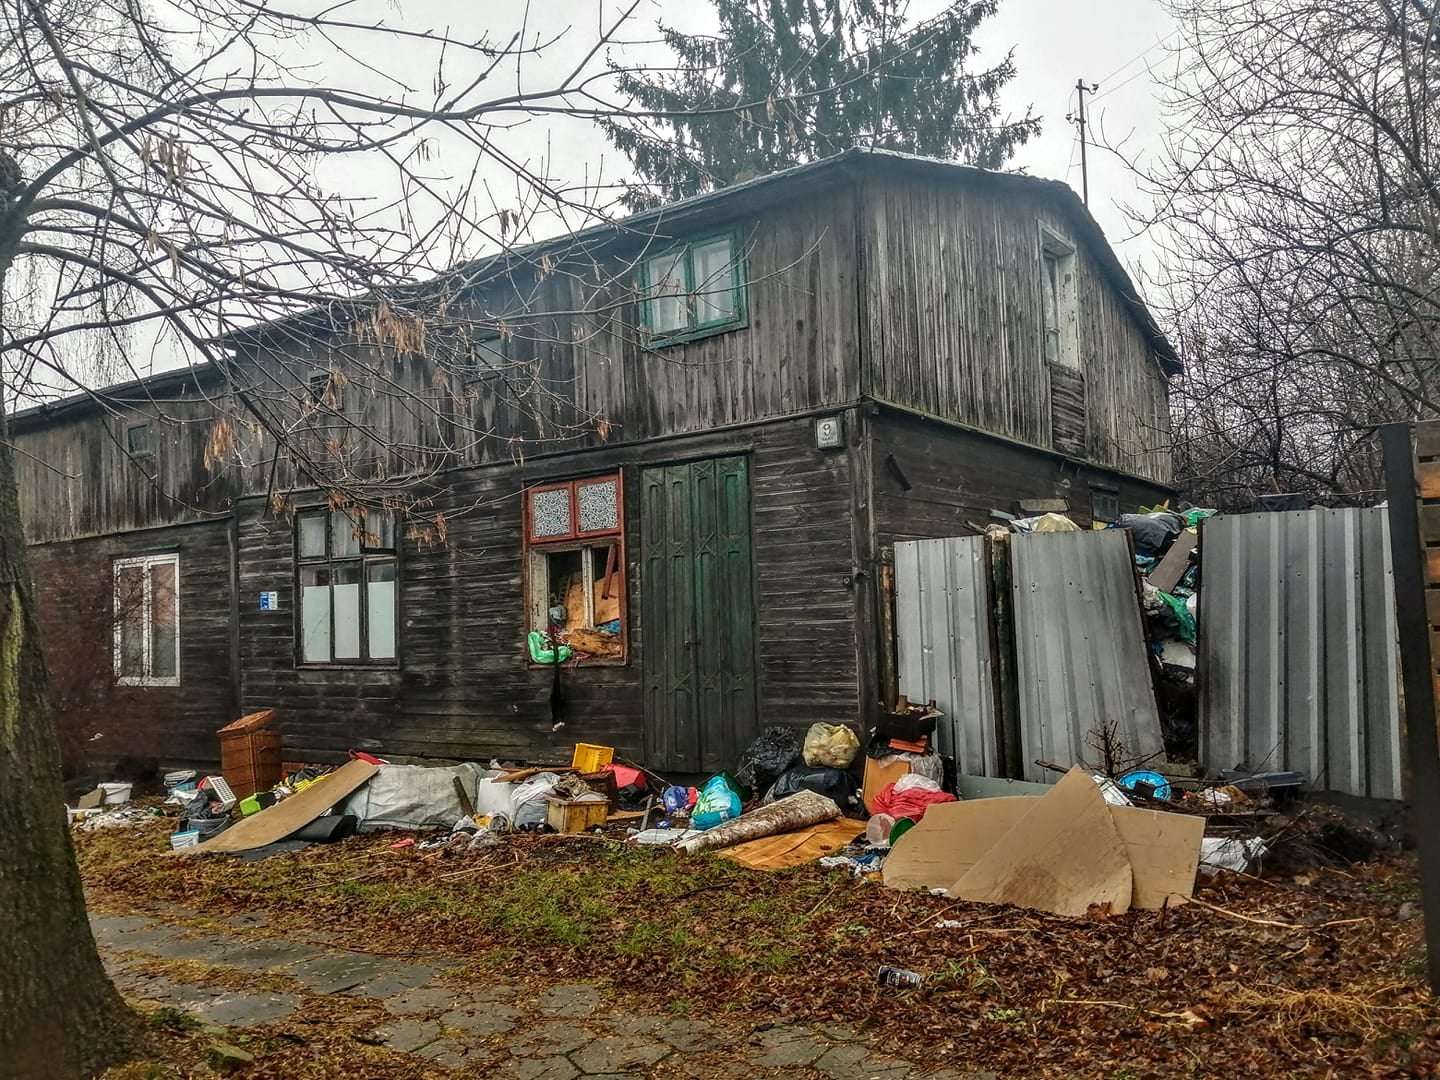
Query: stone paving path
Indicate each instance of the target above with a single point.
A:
(499, 1030)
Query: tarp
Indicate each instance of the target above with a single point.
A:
(279, 821)
(413, 797)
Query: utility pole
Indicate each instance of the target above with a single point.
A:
(1078, 119)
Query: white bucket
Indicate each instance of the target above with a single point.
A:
(116, 794)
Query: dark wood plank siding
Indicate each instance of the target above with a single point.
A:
(956, 477)
(175, 725)
(1067, 411)
(75, 478)
(955, 323)
(463, 688)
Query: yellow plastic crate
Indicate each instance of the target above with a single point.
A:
(591, 758)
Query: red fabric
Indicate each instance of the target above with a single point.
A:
(910, 804)
(626, 776)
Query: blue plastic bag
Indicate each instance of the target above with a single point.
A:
(718, 803)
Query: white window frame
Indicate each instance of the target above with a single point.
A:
(1054, 247)
(145, 562)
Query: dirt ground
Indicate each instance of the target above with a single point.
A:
(1313, 972)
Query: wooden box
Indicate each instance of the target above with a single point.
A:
(575, 816)
(250, 754)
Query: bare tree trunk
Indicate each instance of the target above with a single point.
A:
(60, 1017)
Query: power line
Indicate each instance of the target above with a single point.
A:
(1138, 56)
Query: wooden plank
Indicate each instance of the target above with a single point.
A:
(1427, 477)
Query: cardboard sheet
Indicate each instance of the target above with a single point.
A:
(795, 848)
(950, 839)
(1163, 849)
(1164, 852)
(279, 821)
(877, 776)
(1064, 856)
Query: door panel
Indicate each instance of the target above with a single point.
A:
(698, 614)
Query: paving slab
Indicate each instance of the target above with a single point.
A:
(333, 973)
(424, 1000)
(538, 1068)
(550, 1038)
(788, 1048)
(265, 954)
(392, 979)
(246, 1010)
(408, 1035)
(615, 1053)
(480, 1020)
(197, 947)
(574, 1000)
(849, 1061)
(448, 1052)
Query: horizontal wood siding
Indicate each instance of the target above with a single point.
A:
(463, 688)
(955, 323)
(175, 725)
(957, 477)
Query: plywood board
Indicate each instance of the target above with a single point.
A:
(1176, 561)
(1164, 853)
(1064, 856)
(279, 821)
(795, 848)
(950, 839)
(877, 776)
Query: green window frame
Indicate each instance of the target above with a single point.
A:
(693, 289)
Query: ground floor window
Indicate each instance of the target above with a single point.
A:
(147, 620)
(348, 570)
(575, 569)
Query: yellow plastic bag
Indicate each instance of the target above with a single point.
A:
(831, 745)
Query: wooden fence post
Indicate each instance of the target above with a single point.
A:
(1409, 538)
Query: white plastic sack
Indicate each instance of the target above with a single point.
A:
(411, 797)
(912, 780)
(1229, 853)
(492, 797)
(529, 799)
(926, 764)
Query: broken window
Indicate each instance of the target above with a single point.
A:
(147, 620)
(138, 441)
(692, 289)
(1057, 296)
(575, 565)
(348, 570)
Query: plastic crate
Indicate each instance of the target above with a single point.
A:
(591, 758)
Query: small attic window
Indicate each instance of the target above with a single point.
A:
(317, 384)
(138, 441)
(1058, 302)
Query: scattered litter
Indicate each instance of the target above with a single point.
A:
(663, 836)
(1229, 853)
(1145, 782)
(718, 803)
(898, 977)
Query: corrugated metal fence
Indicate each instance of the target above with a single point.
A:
(1080, 648)
(943, 646)
(1298, 660)
(1077, 636)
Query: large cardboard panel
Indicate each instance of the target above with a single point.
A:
(795, 848)
(877, 776)
(1164, 853)
(279, 821)
(950, 839)
(1064, 856)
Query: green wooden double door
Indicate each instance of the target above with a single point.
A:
(697, 614)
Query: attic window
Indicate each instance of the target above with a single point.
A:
(693, 289)
(138, 442)
(1058, 304)
(318, 384)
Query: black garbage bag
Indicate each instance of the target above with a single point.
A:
(837, 785)
(774, 750)
(1153, 533)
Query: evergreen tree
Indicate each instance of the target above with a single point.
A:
(790, 81)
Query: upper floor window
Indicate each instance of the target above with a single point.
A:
(1058, 304)
(348, 569)
(575, 568)
(139, 441)
(147, 620)
(692, 289)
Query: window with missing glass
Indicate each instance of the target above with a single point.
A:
(575, 569)
(1058, 299)
(139, 441)
(347, 566)
(147, 620)
(692, 289)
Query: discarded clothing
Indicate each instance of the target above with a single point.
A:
(911, 800)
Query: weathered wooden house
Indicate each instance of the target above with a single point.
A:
(885, 348)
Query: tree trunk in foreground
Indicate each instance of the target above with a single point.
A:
(60, 1018)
